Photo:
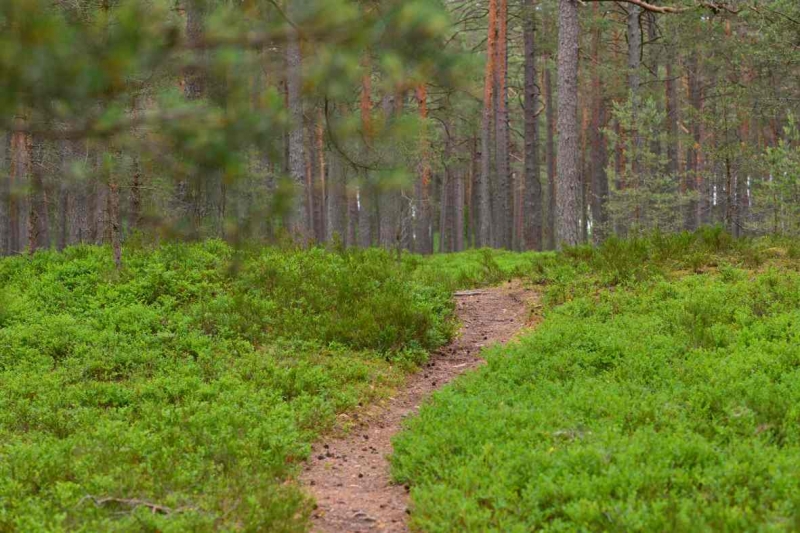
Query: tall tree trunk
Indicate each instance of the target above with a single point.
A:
(472, 193)
(634, 84)
(599, 179)
(673, 137)
(352, 211)
(484, 211)
(504, 203)
(550, 156)
(458, 211)
(532, 208)
(389, 198)
(568, 183)
(18, 179)
(135, 214)
(337, 204)
(366, 215)
(320, 185)
(693, 154)
(5, 140)
(422, 230)
(742, 189)
(38, 219)
(298, 221)
(114, 218)
(655, 55)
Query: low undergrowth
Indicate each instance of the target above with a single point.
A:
(181, 393)
(474, 268)
(649, 399)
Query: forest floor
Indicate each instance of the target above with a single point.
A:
(350, 476)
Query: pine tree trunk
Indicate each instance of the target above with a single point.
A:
(114, 220)
(532, 207)
(458, 213)
(504, 203)
(38, 219)
(352, 211)
(18, 179)
(472, 193)
(422, 230)
(337, 204)
(634, 83)
(484, 207)
(320, 185)
(550, 156)
(568, 183)
(5, 228)
(298, 221)
(599, 185)
(389, 198)
(693, 155)
(673, 138)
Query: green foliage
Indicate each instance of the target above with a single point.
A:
(195, 379)
(473, 268)
(662, 405)
(778, 198)
(646, 197)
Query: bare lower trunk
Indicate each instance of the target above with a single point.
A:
(5, 140)
(551, 159)
(19, 176)
(599, 179)
(532, 205)
(298, 218)
(634, 83)
(504, 198)
(352, 212)
(693, 156)
(422, 230)
(673, 150)
(484, 211)
(458, 213)
(336, 227)
(38, 218)
(568, 183)
(114, 221)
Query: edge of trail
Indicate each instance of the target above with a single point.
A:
(349, 477)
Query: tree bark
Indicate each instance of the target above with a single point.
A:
(550, 156)
(484, 211)
(422, 230)
(568, 183)
(114, 219)
(5, 140)
(693, 155)
(352, 212)
(504, 203)
(18, 178)
(298, 221)
(599, 178)
(634, 84)
(390, 197)
(532, 206)
(38, 219)
(337, 204)
(673, 138)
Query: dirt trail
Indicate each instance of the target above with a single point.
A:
(349, 477)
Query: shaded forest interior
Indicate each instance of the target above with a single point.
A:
(428, 126)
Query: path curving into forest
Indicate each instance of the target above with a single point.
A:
(349, 477)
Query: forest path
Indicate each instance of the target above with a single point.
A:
(349, 477)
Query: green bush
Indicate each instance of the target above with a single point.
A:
(662, 405)
(195, 378)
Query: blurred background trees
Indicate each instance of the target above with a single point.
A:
(409, 124)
